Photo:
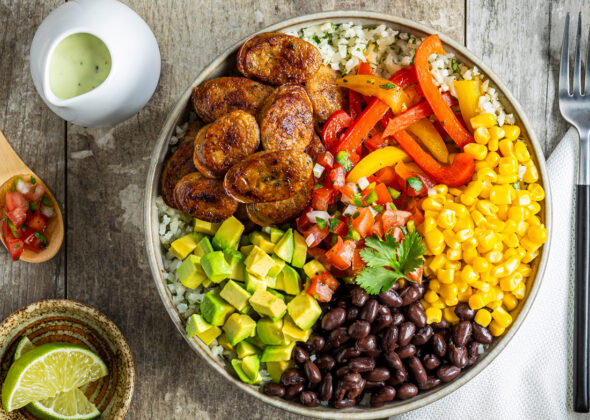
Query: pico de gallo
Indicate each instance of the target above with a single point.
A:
(28, 209)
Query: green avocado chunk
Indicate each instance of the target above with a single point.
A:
(246, 249)
(292, 332)
(215, 310)
(270, 332)
(299, 251)
(266, 304)
(304, 310)
(237, 365)
(215, 266)
(181, 247)
(253, 282)
(262, 241)
(244, 348)
(228, 235)
(251, 366)
(235, 259)
(284, 248)
(277, 353)
(190, 273)
(258, 262)
(235, 294)
(289, 280)
(275, 234)
(205, 227)
(196, 325)
(273, 273)
(203, 247)
(238, 327)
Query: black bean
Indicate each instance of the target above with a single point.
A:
(361, 364)
(367, 343)
(352, 314)
(341, 371)
(458, 355)
(415, 366)
(350, 385)
(326, 387)
(423, 335)
(312, 372)
(440, 325)
(338, 337)
(299, 355)
(464, 312)
(385, 394)
(481, 334)
(358, 296)
(389, 339)
(379, 374)
(341, 303)
(316, 343)
(462, 333)
(309, 398)
(292, 376)
(406, 391)
(430, 383)
(406, 351)
(345, 353)
(359, 329)
(392, 359)
(325, 362)
(399, 376)
(406, 333)
(390, 298)
(398, 318)
(439, 345)
(345, 402)
(447, 373)
(293, 391)
(357, 389)
(374, 384)
(334, 319)
(430, 361)
(369, 311)
(275, 390)
(472, 353)
(410, 295)
(415, 313)
(384, 319)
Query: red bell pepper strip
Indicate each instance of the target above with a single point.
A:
(337, 122)
(354, 104)
(413, 114)
(453, 175)
(432, 45)
(354, 135)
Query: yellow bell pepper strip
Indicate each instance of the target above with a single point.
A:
(432, 45)
(468, 93)
(453, 175)
(376, 160)
(378, 87)
(431, 139)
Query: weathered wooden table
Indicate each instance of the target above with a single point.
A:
(98, 175)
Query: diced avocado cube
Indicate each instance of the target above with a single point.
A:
(215, 266)
(198, 326)
(253, 282)
(235, 294)
(238, 327)
(313, 269)
(299, 251)
(203, 247)
(289, 279)
(181, 247)
(228, 235)
(284, 248)
(244, 348)
(207, 283)
(267, 304)
(246, 249)
(237, 365)
(276, 369)
(245, 240)
(270, 332)
(271, 282)
(215, 310)
(277, 353)
(258, 262)
(246, 309)
(256, 342)
(224, 343)
(277, 294)
(236, 263)
(292, 332)
(251, 366)
(304, 310)
(279, 284)
(190, 273)
(275, 234)
(205, 227)
(262, 241)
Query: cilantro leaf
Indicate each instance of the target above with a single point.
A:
(410, 252)
(377, 279)
(415, 183)
(382, 252)
(455, 65)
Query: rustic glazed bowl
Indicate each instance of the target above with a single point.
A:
(224, 65)
(51, 321)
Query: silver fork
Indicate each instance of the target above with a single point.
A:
(575, 107)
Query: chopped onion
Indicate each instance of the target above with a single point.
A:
(47, 211)
(318, 170)
(309, 240)
(373, 211)
(38, 192)
(23, 187)
(363, 183)
(314, 214)
(350, 210)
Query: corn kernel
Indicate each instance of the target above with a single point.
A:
(507, 179)
(470, 254)
(531, 174)
(499, 195)
(454, 254)
(454, 301)
(483, 317)
(453, 265)
(480, 285)
(450, 238)
(521, 228)
(521, 152)
(495, 224)
(493, 158)
(450, 316)
(487, 208)
(510, 240)
(511, 132)
(433, 315)
(441, 189)
(430, 296)
(481, 265)
(434, 285)
(508, 166)
(537, 192)
(437, 262)
(530, 246)
(464, 234)
(510, 302)
(486, 174)
(464, 295)
(455, 191)
(506, 148)
(477, 301)
(494, 257)
(494, 304)
(445, 276)
(481, 135)
(434, 241)
(537, 234)
(438, 304)
(496, 329)
(493, 145)
(468, 274)
(483, 120)
(478, 151)
(510, 282)
(448, 291)
(524, 269)
(463, 223)
(529, 256)
(534, 207)
(430, 203)
(502, 317)
(447, 219)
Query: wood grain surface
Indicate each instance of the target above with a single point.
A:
(98, 175)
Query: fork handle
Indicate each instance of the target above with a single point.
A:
(582, 300)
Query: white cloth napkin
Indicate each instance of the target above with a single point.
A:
(531, 378)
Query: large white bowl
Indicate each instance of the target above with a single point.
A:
(225, 64)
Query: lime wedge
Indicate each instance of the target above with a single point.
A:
(47, 370)
(23, 346)
(70, 405)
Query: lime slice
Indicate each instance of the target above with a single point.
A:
(70, 405)
(23, 346)
(47, 370)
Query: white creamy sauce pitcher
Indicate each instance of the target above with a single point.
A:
(125, 84)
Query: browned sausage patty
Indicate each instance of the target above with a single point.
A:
(286, 119)
(268, 176)
(277, 58)
(226, 142)
(326, 97)
(267, 214)
(315, 148)
(179, 164)
(216, 97)
(204, 198)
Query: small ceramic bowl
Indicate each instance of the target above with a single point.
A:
(51, 321)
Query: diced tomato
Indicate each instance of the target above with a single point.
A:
(17, 216)
(303, 221)
(398, 234)
(314, 235)
(15, 246)
(394, 218)
(354, 158)
(358, 264)
(383, 196)
(363, 222)
(321, 198)
(320, 290)
(32, 240)
(36, 221)
(15, 200)
(377, 228)
(326, 160)
(340, 255)
(341, 228)
(416, 275)
(366, 192)
(35, 193)
(320, 255)
(330, 281)
(415, 207)
(386, 175)
(337, 176)
(347, 192)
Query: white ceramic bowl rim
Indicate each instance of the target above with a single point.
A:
(151, 217)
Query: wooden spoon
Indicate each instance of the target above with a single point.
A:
(11, 168)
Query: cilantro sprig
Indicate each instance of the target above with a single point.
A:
(389, 260)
